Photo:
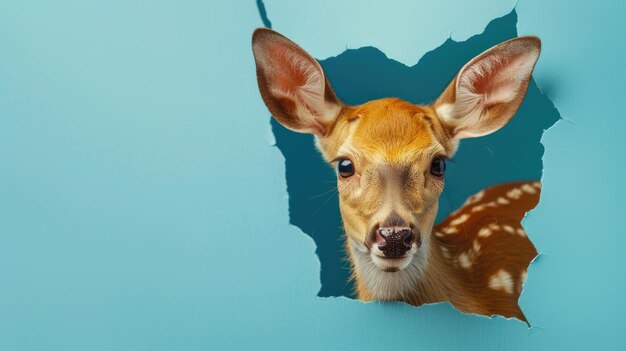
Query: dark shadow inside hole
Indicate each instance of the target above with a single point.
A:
(511, 154)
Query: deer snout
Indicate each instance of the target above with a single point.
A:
(394, 242)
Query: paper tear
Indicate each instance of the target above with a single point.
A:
(300, 147)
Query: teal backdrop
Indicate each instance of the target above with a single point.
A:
(144, 206)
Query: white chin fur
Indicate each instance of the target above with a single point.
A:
(390, 279)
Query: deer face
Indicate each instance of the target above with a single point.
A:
(390, 160)
(390, 154)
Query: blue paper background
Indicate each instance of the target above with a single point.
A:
(142, 206)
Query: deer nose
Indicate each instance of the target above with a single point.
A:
(394, 242)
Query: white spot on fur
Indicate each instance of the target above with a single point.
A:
(464, 261)
(502, 280)
(494, 227)
(474, 198)
(461, 219)
(478, 208)
(514, 194)
(450, 230)
(522, 277)
(477, 247)
(537, 185)
(508, 228)
(484, 232)
(521, 232)
(529, 189)
(439, 234)
(491, 204)
(503, 201)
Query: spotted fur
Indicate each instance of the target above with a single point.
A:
(489, 255)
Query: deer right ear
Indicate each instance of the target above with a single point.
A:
(293, 85)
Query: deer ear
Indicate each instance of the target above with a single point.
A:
(489, 89)
(293, 85)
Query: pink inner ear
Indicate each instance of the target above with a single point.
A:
(491, 78)
(490, 88)
(496, 78)
(292, 74)
(293, 84)
(284, 74)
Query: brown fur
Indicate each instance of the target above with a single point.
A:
(468, 288)
(392, 145)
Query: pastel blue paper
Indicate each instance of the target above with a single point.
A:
(142, 206)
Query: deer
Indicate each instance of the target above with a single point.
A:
(390, 158)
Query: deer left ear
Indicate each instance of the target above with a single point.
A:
(489, 89)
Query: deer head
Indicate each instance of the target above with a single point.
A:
(390, 155)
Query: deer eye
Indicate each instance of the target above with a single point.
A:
(345, 168)
(438, 167)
